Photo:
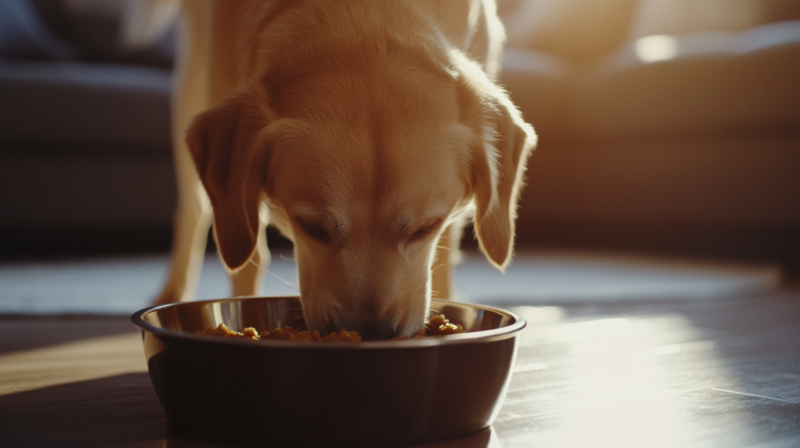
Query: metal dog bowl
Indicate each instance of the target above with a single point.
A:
(286, 393)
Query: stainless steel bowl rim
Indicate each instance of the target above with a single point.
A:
(438, 341)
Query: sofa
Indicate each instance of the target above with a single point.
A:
(679, 135)
(85, 158)
(661, 129)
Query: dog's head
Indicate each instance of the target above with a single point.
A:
(363, 166)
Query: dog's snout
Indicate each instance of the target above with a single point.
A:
(369, 317)
(375, 331)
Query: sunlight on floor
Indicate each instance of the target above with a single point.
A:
(614, 362)
(615, 371)
(72, 362)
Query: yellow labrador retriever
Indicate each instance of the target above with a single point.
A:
(365, 131)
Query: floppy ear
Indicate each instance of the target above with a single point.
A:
(498, 162)
(232, 159)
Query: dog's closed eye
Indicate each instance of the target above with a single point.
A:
(424, 231)
(315, 231)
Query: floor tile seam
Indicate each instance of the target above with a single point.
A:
(669, 393)
(666, 393)
(729, 361)
(752, 395)
(768, 378)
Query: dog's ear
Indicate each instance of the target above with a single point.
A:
(232, 161)
(498, 161)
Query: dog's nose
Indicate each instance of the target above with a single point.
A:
(375, 331)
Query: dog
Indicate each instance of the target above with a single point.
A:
(366, 131)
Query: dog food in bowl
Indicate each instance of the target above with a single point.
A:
(286, 334)
(436, 326)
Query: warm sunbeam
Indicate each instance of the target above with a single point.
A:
(657, 48)
(613, 367)
(618, 383)
(84, 360)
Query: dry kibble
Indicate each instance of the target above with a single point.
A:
(225, 332)
(440, 326)
(284, 334)
(436, 326)
(343, 335)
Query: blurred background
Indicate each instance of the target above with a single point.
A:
(667, 127)
(658, 241)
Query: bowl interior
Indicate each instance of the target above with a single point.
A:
(267, 313)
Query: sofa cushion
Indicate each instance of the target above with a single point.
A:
(541, 85)
(93, 29)
(692, 16)
(24, 36)
(577, 30)
(63, 191)
(62, 107)
(703, 82)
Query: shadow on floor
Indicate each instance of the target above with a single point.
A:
(20, 333)
(120, 411)
(108, 411)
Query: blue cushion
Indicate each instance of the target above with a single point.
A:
(24, 36)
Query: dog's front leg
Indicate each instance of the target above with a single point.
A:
(192, 221)
(193, 213)
(188, 247)
(248, 280)
(448, 256)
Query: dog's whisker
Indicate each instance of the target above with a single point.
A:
(437, 267)
(285, 282)
(290, 285)
(260, 268)
(308, 304)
